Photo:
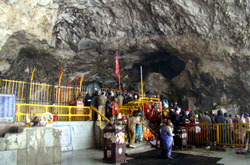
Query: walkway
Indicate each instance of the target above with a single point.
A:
(94, 156)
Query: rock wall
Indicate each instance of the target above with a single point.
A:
(200, 48)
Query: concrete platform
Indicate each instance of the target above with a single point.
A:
(228, 157)
(95, 156)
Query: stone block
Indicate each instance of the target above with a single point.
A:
(57, 137)
(15, 140)
(8, 157)
(40, 136)
(31, 141)
(2, 144)
(3, 129)
(44, 155)
(57, 154)
(31, 155)
(35, 137)
(49, 137)
(21, 157)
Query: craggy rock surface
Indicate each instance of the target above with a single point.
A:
(195, 51)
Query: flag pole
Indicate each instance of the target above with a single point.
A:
(141, 82)
(117, 71)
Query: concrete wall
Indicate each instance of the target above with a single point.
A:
(37, 145)
(82, 133)
(41, 145)
(99, 134)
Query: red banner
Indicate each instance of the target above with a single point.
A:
(117, 71)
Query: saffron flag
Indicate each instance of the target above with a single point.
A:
(117, 69)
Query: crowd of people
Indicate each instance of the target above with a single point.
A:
(166, 118)
(233, 129)
(107, 101)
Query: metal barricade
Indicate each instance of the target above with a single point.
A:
(39, 93)
(218, 134)
(63, 113)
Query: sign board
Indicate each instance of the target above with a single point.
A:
(66, 137)
(7, 108)
(79, 103)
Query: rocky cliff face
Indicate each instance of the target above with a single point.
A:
(193, 51)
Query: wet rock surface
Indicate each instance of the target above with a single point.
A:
(198, 50)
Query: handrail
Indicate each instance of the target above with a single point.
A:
(99, 113)
(136, 104)
(46, 109)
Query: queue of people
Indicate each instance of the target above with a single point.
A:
(108, 103)
(232, 129)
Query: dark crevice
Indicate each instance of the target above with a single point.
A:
(160, 62)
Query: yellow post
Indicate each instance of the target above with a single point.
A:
(217, 134)
(143, 124)
(69, 113)
(58, 96)
(100, 122)
(93, 108)
(18, 113)
(31, 79)
(141, 83)
(81, 82)
(60, 80)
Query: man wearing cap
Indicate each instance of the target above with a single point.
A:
(185, 117)
(132, 121)
(102, 100)
(120, 99)
(221, 119)
(94, 103)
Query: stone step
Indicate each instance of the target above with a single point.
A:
(139, 147)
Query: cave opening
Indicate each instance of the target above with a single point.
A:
(161, 62)
(165, 63)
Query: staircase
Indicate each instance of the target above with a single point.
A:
(125, 110)
(139, 147)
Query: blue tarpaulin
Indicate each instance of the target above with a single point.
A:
(7, 107)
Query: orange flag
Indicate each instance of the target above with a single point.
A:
(117, 71)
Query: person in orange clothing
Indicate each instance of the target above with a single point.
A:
(115, 108)
(147, 135)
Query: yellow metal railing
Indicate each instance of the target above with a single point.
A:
(106, 89)
(39, 93)
(218, 134)
(99, 113)
(63, 113)
(127, 109)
